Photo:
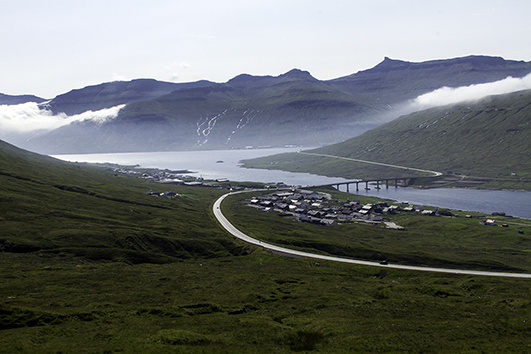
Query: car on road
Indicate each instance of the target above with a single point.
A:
(384, 262)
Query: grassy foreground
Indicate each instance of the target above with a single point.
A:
(259, 302)
(255, 304)
(91, 264)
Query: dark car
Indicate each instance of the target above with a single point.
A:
(384, 262)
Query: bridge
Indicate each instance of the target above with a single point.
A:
(403, 180)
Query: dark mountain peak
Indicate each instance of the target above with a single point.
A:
(471, 61)
(246, 79)
(114, 93)
(390, 64)
(294, 75)
(422, 77)
(297, 74)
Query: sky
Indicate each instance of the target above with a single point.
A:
(49, 47)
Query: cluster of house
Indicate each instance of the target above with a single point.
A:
(319, 208)
(169, 194)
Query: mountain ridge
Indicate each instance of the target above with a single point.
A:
(110, 94)
(293, 108)
(19, 99)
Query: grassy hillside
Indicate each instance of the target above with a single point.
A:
(488, 139)
(90, 264)
(53, 207)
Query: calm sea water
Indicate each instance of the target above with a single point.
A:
(226, 164)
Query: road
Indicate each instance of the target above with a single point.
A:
(435, 173)
(237, 233)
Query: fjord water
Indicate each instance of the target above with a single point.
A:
(213, 164)
(514, 203)
(226, 164)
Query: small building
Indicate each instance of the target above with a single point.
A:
(303, 218)
(282, 206)
(284, 195)
(328, 222)
(193, 184)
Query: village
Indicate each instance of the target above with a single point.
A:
(319, 208)
(304, 205)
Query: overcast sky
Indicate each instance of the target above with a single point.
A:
(49, 47)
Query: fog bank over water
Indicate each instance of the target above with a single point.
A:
(31, 117)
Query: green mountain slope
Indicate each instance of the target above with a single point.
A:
(52, 207)
(490, 138)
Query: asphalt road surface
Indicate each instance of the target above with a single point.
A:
(435, 173)
(237, 233)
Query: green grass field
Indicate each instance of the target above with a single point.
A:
(254, 304)
(91, 264)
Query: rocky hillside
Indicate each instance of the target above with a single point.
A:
(50, 207)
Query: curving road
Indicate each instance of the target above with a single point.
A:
(237, 233)
(435, 173)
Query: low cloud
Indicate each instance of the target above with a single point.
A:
(29, 117)
(447, 95)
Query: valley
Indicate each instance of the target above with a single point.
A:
(93, 263)
(100, 258)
